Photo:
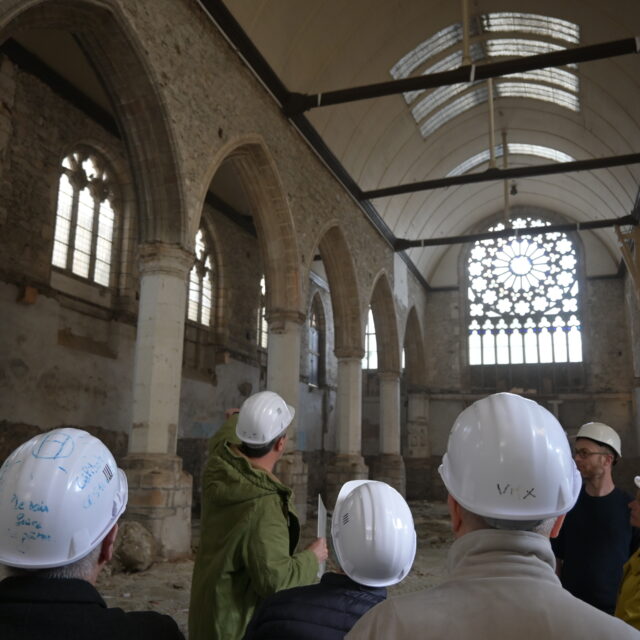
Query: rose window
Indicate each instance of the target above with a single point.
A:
(523, 298)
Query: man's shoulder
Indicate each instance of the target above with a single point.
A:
(70, 605)
(149, 624)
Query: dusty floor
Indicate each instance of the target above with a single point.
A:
(165, 586)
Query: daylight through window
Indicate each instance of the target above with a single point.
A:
(85, 217)
(523, 298)
(263, 327)
(370, 360)
(201, 283)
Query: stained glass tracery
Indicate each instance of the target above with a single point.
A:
(523, 298)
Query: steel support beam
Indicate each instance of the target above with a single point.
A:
(403, 245)
(505, 174)
(300, 102)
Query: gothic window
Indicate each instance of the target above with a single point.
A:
(201, 283)
(263, 327)
(370, 360)
(316, 344)
(85, 217)
(523, 298)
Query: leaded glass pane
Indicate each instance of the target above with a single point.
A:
(370, 359)
(194, 295)
(523, 298)
(85, 218)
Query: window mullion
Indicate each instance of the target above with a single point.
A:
(73, 223)
(95, 226)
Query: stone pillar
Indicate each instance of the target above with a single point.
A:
(283, 377)
(389, 466)
(349, 463)
(159, 489)
(418, 454)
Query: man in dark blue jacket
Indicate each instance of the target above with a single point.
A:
(61, 494)
(375, 544)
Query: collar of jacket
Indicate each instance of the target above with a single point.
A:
(35, 589)
(494, 552)
(231, 456)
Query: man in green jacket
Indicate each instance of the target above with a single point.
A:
(249, 526)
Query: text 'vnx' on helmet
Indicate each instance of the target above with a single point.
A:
(508, 458)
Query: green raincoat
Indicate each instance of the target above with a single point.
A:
(248, 537)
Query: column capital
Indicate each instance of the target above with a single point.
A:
(349, 353)
(279, 318)
(389, 375)
(160, 257)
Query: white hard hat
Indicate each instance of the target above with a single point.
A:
(60, 494)
(373, 534)
(508, 458)
(602, 434)
(262, 418)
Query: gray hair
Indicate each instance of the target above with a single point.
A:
(82, 569)
(542, 527)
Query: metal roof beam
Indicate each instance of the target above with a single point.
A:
(505, 174)
(297, 103)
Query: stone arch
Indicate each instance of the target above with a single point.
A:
(343, 287)
(415, 362)
(115, 53)
(385, 319)
(260, 179)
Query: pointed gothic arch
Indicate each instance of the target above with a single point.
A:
(115, 53)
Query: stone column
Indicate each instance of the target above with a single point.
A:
(159, 490)
(418, 462)
(349, 463)
(389, 466)
(283, 377)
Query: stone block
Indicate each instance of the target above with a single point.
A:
(148, 498)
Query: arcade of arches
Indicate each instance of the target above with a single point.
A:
(170, 244)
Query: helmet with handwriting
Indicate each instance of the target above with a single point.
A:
(60, 494)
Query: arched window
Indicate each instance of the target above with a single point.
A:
(316, 344)
(523, 298)
(263, 327)
(85, 217)
(201, 283)
(370, 360)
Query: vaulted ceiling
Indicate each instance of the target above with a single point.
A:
(579, 112)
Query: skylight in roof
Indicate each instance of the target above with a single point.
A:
(538, 92)
(449, 63)
(515, 149)
(530, 23)
(517, 47)
(442, 52)
(445, 38)
(455, 108)
(564, 79)
(436, 99)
